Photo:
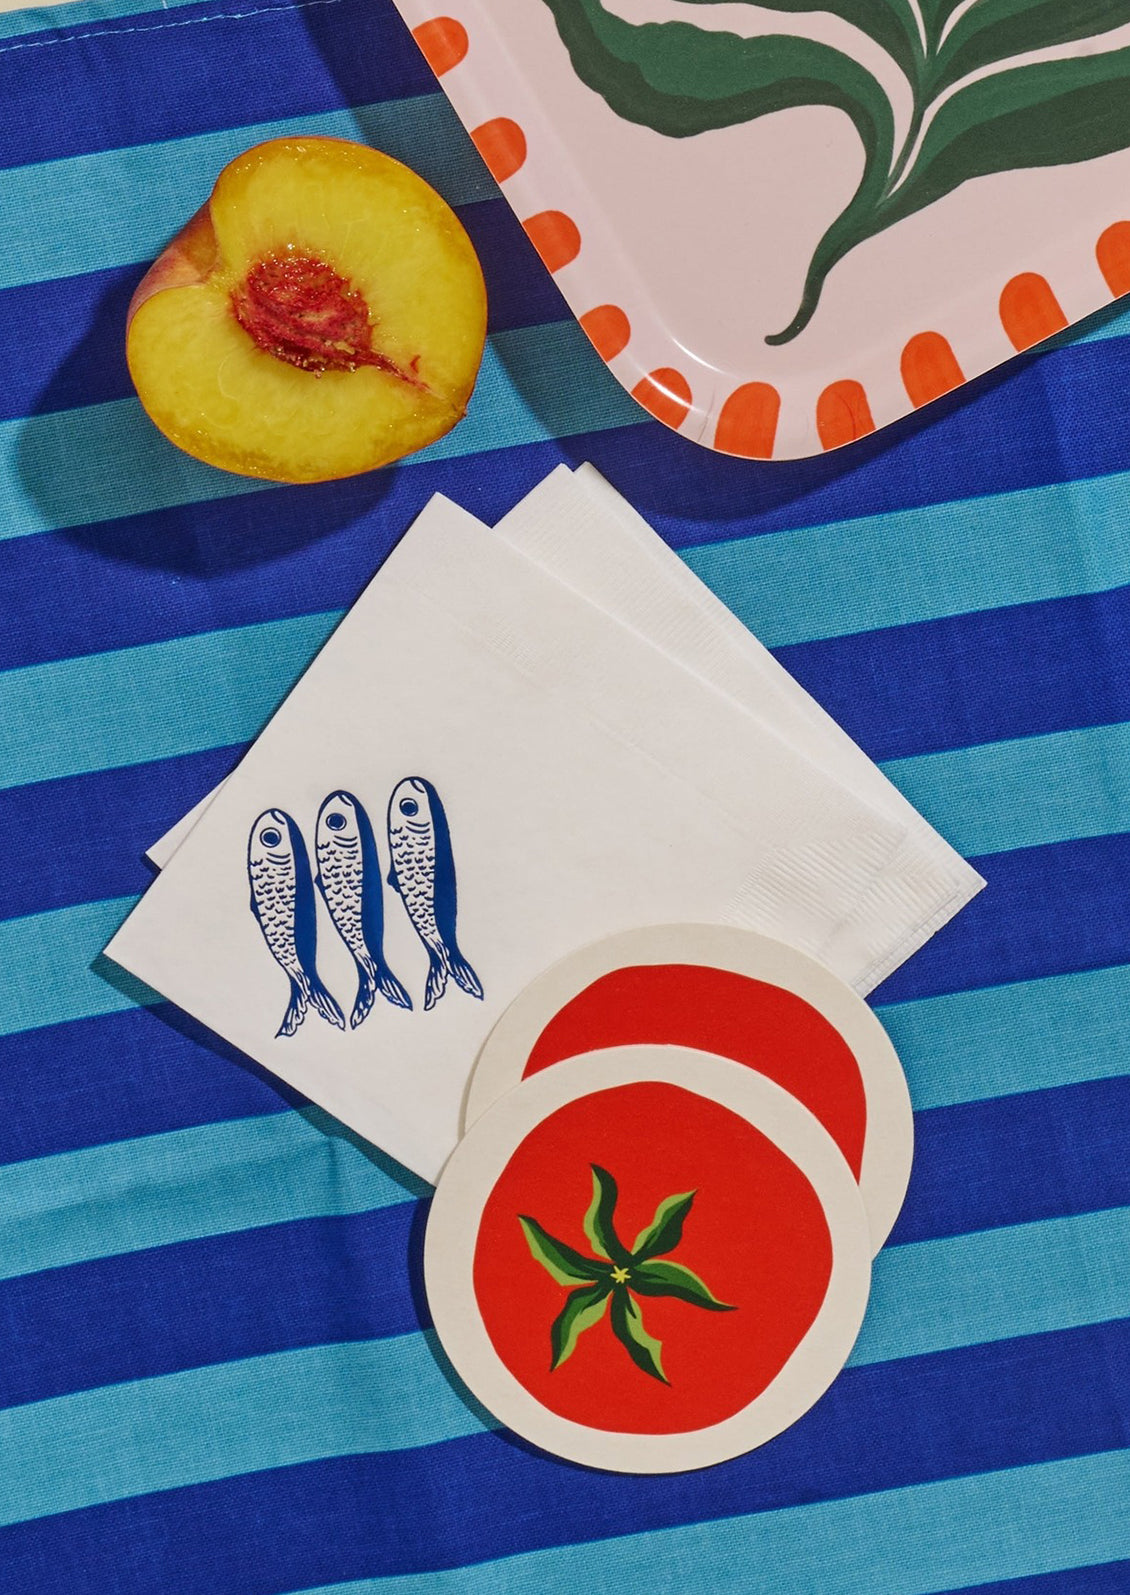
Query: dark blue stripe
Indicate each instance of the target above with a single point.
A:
(83, 839)
(984, 677)
(338, 1279)
(995, 1406)
(203, 69)
(1110, 1578)
(261, 1290)
(62, 343)
(1017, 1159)
(1046, 911)
(139, 1072)
(258, 556)
(1033, 421)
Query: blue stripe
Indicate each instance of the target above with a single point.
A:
(139, 1314)
(1017, 1159)
(1046, 911)
(298, 60)
(143, 1314)
(902, 1544)
(907, 565)
(463, 1495)
(62, 342)
(1055, 1274)
(54, 970)
(985, 677)
(214, 1179)
(48, 829)
(1110, 1578)
(116, 1077)
(234, 1417)
(1024, 1037)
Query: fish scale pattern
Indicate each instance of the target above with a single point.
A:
(218, 1376)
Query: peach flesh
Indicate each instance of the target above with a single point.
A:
(332, 263)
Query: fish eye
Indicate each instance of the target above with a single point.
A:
(270, 837)
(409, 806)
(335, 822)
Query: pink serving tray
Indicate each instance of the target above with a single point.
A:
(783, 229)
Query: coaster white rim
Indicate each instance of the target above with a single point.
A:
(888, 1148)
(478, 1162)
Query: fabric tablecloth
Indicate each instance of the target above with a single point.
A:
(216, 1371)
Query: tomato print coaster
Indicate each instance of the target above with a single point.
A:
(737, 994)
(647, 1259)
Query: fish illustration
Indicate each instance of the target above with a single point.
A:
(423, 872)
(282, 900)
(349, 878)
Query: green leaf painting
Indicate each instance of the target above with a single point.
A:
(979, 102)
(610, 1281)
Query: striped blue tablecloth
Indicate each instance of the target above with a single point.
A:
(216, 1372)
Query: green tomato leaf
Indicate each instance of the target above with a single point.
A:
(665, 1231)
(1052, 113)
(600, 1219)
(582, 1309)
(891, 23)
(561, 1262)
(627, 1325)
(673, 1279)
(996, 30)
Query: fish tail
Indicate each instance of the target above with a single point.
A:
(324, 1002)
(391, 989)
(366, 991)
(463, 975)
(296, 1009)
(437, 977)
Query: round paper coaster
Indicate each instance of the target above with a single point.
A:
(735, 993)
(648, 1259)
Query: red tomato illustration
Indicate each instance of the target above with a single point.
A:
(755, 1236)
(732, 1015)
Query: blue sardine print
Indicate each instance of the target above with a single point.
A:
(349, 878)
(282, 900)
(423, 872)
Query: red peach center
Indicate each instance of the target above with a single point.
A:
(307, 314)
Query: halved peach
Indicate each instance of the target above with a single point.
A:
(323, 314)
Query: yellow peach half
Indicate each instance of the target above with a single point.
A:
(323, 314)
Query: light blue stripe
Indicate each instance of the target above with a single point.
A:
(73, 467)
(212, 1179)
(997, 1284)
(228, 1418)
(1015, 1523)
(124, 205)
(75, 15)
(920, 564)
(132, 705)
(290, 1407)
(1023, 793)
(47, 959)
(1034, 1035)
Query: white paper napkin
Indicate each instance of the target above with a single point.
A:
(577, 526)
(589, 782)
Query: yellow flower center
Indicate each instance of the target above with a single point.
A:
(619, 1276)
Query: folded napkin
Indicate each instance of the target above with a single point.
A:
(577, 526)
(486, 770)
